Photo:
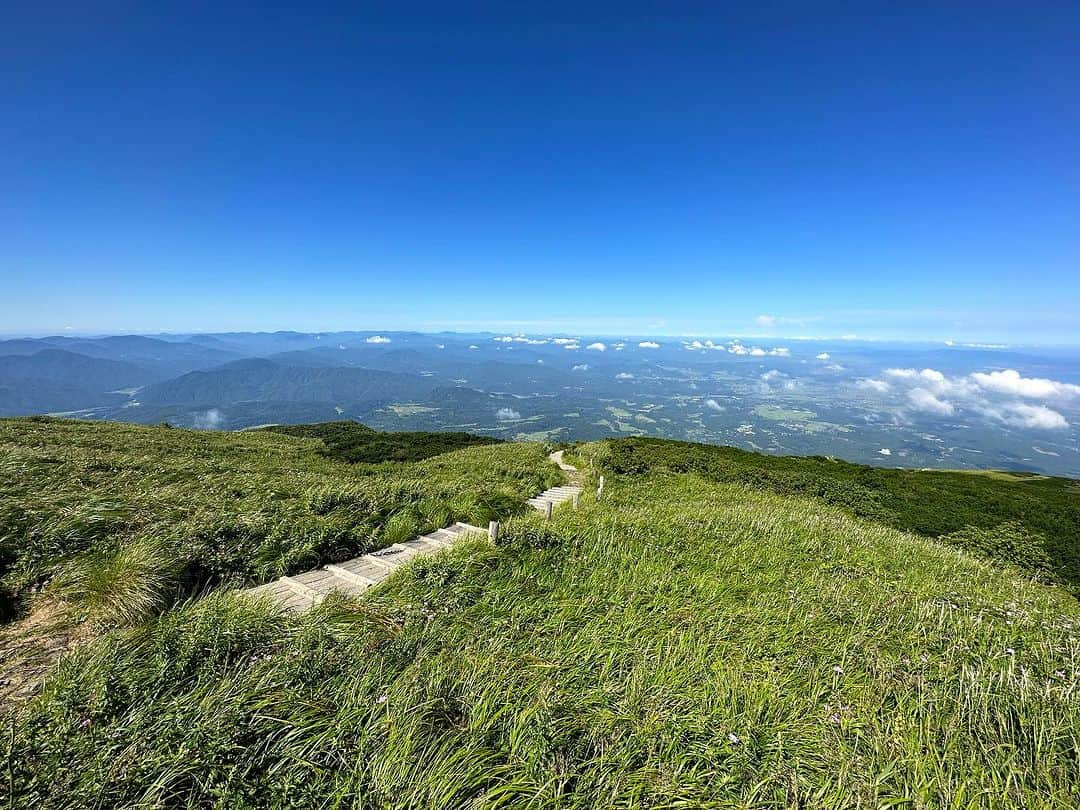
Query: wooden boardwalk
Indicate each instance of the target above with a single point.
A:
(302, 591)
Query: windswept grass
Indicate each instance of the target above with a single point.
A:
(1011, 518)
(684, 643)
(126, 517)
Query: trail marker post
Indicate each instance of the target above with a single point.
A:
(575, 501)
(548, 505)
(493, 531)
(600, 489)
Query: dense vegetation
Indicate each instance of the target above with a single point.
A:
(715, 632)
(356, 443)
(683, 643)
(86, 504)
(1022, 519)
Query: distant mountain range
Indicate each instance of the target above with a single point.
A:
(923, 405)
(260, 380)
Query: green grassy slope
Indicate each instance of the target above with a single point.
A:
(99, 506)
(1026, 520)
(356, 443)
(683, 643)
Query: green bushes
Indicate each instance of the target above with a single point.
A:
(356, 443)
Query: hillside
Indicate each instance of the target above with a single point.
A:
(704, 636)
(264, 380)
(356, 443)
(54, 379)
(1031, 521)
(202, 509)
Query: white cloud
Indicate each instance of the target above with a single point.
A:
(765, 320)
(597, 347)
(780, 351)
(924, 400)
(473, 347)
(377, 339)
(1040, 417)
(1011, 382)
(885, 451)
(874, 385)
(771, 375)
(507, 415)
(649, 344)
(757, 352)
(521, 338)
(996, 395)
(624, 376)
(713, 405)
(563, 341)
(931, 379)
(571, 346)
(581, 367)
(902, 373)
(440, 346)
(823, 356)
(209, 420)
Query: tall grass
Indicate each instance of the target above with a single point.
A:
(98, 506)
(683, 643)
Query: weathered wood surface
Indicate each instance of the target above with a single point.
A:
(302, 591)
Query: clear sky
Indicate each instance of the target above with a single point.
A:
(664, 168)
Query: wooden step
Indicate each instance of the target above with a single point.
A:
(436, 539)
(308, 597)
(358, 580)
(423, 545)
(468, 528)
(391, 557)
(364, 567)
(302, 591)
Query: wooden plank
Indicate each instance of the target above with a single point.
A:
(300, 589)
(358, 580)
(364, 567)
(424, 546)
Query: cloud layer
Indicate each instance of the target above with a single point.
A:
(1002, 396)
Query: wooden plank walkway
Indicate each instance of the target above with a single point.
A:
(302, 591)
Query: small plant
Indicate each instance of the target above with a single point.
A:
(122, 587)
(400, 527)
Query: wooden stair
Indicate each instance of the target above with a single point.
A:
(300, 592)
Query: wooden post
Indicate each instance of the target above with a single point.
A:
(575, 501)
(547, 509)
(600, 489)
(493, 530)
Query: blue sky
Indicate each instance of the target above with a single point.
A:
(633, 168)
